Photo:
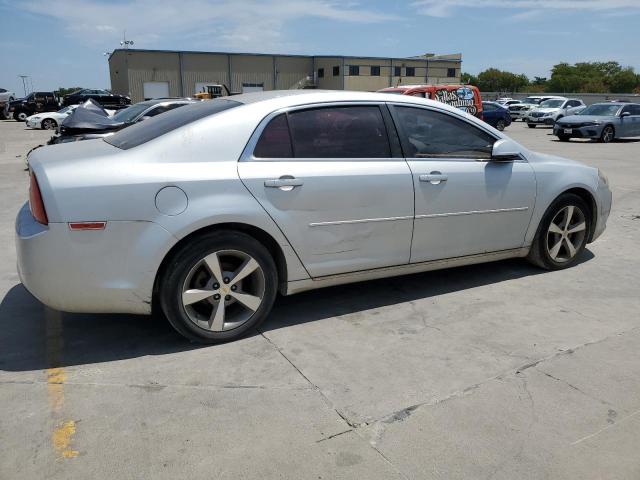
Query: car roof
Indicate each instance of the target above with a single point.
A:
(620, 104)
(286, 98)
(156, 101)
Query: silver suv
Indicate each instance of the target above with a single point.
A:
(552, 110)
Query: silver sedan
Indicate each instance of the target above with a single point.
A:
(205, 213)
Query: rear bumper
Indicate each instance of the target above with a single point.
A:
(106, 271)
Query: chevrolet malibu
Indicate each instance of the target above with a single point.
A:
(208, 211)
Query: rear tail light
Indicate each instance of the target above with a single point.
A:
(35, 202)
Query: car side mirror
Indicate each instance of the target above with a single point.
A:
(625, 114)
(505, 150)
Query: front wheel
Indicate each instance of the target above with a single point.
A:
(500, 125)
(607, 134)
(562, 234)
(563, 138)
(20, 116)
(531, 125)
(218, 287)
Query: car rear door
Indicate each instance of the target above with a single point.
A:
(465, 204)
(329, 178)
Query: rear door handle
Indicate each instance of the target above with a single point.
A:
(434, 178)
(285, 183)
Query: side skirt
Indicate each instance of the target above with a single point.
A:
(298, 286)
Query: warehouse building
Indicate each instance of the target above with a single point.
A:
(162, 73)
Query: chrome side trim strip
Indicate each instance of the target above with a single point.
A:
(362, 220)
(297, 286)
(473, 212)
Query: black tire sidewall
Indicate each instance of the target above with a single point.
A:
(52, 121)
(499, 124)
(178, 267)
(540, 243)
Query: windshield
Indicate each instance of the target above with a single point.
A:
(551, 104)
(160, 124)
(600, 109)
(129, 114)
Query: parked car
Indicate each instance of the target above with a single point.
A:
(35, 102)
(103, 97)
(521, 110)
(86, 125)
(508, 103)
(464, 97)
(550, 111)
(49, 120)
(5, 98)
(207, 211)
(601, 121)
(496, 115)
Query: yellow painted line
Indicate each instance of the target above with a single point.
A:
(62, 435)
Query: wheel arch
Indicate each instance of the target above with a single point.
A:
(590, 200)
(255, 232)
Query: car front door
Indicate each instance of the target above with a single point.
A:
(465, 203)
(625, 127)
(635, 116)
(335, 184)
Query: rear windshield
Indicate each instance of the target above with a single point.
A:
(159, 125)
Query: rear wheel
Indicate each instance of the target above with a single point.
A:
(531, 125)
(500, 125)
(20, 116)
(607, 135)
(562, 234)
(218, 287)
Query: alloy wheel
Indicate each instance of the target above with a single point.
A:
(223, 290)
(607, 134)
(48, 124)
(566, 234)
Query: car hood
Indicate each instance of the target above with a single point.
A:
(90, 118)
(546, 110)
(586, 118)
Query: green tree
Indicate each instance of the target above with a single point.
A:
(494, 80)
(624, 81)
(468, 79)
(62, 91)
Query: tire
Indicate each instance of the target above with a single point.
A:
(19, 116)
(531, 125)
(500, 125)
(607, 135)
(48, 124)
(190, 270)
(550, 249)
(563, 138)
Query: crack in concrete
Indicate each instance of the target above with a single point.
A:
(570, 385)
(334, 436)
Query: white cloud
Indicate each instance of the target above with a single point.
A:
(446, 8)
(214, 24)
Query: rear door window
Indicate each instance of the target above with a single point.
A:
(339, 132)
(430, 134)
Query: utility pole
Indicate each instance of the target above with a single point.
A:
(125, 43)
(24, 85)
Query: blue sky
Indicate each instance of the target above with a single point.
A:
(62, 43)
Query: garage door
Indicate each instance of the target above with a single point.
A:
(252, 87)
(155, 90)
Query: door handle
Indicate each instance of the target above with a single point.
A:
(434, 178)
(285, 183)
